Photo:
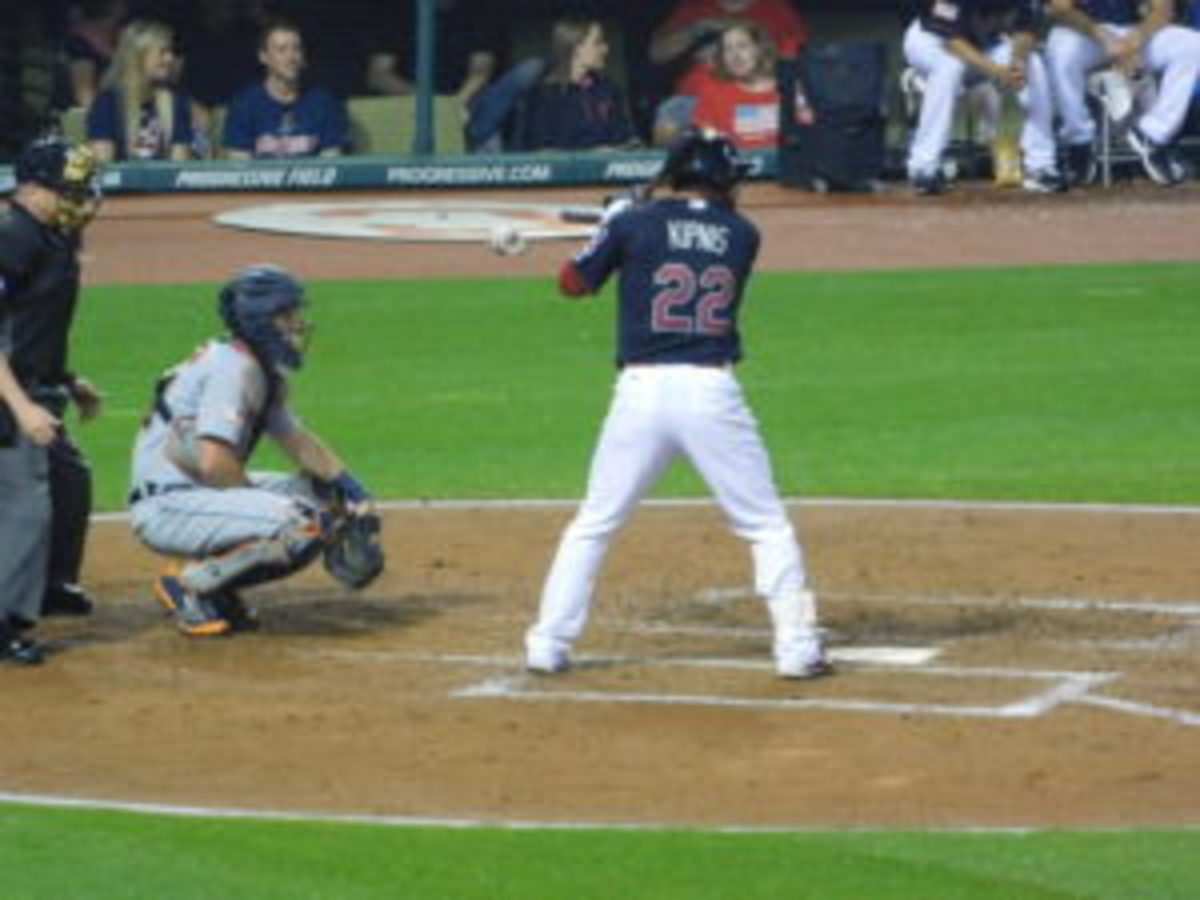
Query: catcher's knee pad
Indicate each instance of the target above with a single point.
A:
(296, 545)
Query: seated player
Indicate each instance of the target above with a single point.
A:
(952, 43)
(1128, 37)
(192, 496)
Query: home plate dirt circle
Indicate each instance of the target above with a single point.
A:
(432, 220)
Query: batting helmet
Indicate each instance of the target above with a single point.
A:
(70, 170)
(703, 159)
(249, 303)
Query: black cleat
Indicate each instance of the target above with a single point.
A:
(229, 605)
(66, 600)
(19, 650)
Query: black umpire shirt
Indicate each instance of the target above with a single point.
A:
(39, 287)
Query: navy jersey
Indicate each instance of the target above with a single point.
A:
(1115, 12)
(980, 22)
(683, 267)
(264, 127)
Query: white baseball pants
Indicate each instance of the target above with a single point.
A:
(1172, 54)
(657, 413)
(945, 76)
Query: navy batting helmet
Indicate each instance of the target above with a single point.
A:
(70, 170)
(704, 159)
(249, 303)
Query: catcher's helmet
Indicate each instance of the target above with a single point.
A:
(249, 303)
(70, 170)
(704, 159)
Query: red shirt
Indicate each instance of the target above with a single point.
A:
(748, 118)
(780, 20)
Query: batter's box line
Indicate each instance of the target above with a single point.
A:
(1185, 609)
(1064, 687)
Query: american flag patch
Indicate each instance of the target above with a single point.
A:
(943, 9)
(755, 119)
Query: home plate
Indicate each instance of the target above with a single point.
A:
(429, 220)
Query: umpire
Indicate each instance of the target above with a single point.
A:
(45, 483)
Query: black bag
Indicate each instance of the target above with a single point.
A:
(843, 149)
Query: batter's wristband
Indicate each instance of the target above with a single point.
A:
(351, 488)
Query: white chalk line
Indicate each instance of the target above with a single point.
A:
(1179, 716)
(54, 801)
(1066, 686)
(809, 502)
(1183, 609)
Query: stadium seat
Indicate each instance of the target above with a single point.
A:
(387, 125)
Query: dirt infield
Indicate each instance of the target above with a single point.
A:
(1000, 665)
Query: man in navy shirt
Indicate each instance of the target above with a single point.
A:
(1093, 34)
(280, 116)
(683, 261)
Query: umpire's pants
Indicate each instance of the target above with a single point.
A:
(25, 515)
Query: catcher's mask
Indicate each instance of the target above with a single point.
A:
(261, 305)
(70, 171)
(700, 158)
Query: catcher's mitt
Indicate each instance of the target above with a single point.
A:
(353, 554)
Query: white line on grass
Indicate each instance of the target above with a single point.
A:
(815, 502)
(395, 821)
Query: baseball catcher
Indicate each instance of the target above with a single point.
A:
(192, 497)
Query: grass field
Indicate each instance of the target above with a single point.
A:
(1063, 383)
(72, 853)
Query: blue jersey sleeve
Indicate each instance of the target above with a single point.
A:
(239, 126)
(602, 256)
(103, 118)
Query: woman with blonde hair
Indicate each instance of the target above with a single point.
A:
(139, 115)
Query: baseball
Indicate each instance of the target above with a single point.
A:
(506, 240)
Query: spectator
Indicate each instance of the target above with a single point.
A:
(739, 97)
(575, 106)
(688, 38)
(280, 116)
(138, 114)
(90, 44)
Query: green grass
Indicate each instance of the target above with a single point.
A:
(73, 853)
(1061, 383)
(1056, 383)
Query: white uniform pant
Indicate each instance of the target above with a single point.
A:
(945, 75)
(658, 413)
(201, 521)
(1172, 54)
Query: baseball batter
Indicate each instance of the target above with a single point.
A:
(1095, 34)
(684, 261)
(952, 42)
(192, 497)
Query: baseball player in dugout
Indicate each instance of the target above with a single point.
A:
(45, 482)
(1124, 37)
(684, 260)
(192, 497)
(952, 42)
